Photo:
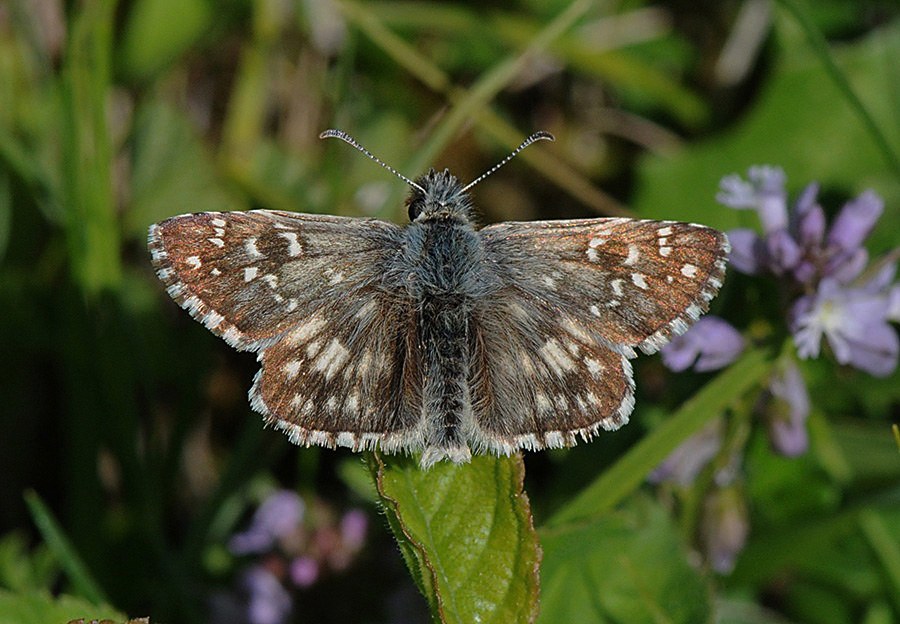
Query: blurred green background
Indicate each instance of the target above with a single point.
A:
(130, 421)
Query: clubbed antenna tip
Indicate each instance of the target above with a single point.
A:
(346, 138)
(540, 135)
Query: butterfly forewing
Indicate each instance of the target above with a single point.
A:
(636, 283)
(250, 276)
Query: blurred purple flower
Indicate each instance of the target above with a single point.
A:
(855, 221)
(764, 191)
(354, 526)
(788, 424)
(807, 221)
(795, 242)
(709, 345)
(278, 516)
(724, 528)
(684, 463)
(304, 571)
(748, 252)
(269, 603)
(853, 320)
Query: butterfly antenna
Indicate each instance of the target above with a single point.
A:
(346, 138)
(537, 136)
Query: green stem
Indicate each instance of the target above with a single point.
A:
(887, 550)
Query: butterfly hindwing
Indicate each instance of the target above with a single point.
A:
(348, 375)
(543, 379)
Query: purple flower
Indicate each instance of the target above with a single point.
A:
(794, 242)
(709, 345)
(748, 252)
(853, 320)
(763, 191)
(269, 602)
(278, 516)
(354, 526)
(724, 528)
(808, 218)
(684, 463)
(304, 571)
(855, 221)
(787, 429)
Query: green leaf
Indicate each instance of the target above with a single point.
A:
(68, 558)
(41, 608)
(21, 569)
(91, 221)
(625, 566)
(467, 535)
(158, 31)
(800, 122)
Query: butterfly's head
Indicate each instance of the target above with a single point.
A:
(438, 195)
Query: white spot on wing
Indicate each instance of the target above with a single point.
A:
(633, 254)
(543, 403)
(665, 251)
(365, 363)
(307, 329)
(639, 281)
(556, 357)
(219, 223)
(332, 358)
(291, 368)
(367, 310)
(666, 231)
(617, 287)
(251, 249)
(689, 270)
(250, 274)
(294, 248)
(594, 366)
(218, 242)
(194, 261)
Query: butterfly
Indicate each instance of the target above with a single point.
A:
(436, 336)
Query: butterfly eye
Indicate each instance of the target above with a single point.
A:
(415, 209)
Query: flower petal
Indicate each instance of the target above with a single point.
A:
(876, 350)
(808, 218)
(784, 253)
(747, 251)
(788, 430)
(855, 221)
